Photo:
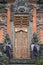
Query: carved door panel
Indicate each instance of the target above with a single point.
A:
(17, 48)
(21, 47)
(24, 44)
(21, 43)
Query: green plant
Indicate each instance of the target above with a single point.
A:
(35, 38)
(3, 58)
(6, 60)
(37, 61)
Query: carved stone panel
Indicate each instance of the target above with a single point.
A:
(21, 20)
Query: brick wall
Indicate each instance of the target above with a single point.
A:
(1, 35)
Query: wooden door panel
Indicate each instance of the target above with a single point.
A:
(25, 44)
(17, 45)
(21, 37)
(21, 44)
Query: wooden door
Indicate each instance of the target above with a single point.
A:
(21, 41)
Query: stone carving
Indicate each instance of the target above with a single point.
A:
(21, 29)
(21, 6)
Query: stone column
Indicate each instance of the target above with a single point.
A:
(30, 34)
(12, 32)
(12, 26)
(30, 24)
(30, 31)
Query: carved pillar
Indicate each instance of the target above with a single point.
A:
(2, 33)
(40, 30)
(12, 32)
(34, 20)
(12, 23)
(30, 24)
(8, 21)
(30, 31)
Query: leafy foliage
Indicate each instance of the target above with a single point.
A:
(3, 58)
(35, 38)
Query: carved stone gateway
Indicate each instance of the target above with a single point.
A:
(21, 47)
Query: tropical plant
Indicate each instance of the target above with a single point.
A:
(35, 38)
(3, 58)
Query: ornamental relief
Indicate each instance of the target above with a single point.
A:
(21, 6)
(21, 29)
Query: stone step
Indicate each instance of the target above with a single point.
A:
(22, 61)
(22, 64)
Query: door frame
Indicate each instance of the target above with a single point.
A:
(28, 31)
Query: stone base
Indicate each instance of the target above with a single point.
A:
(22, 61)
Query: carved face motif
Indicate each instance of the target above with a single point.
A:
(21, 9)
(21, 6)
